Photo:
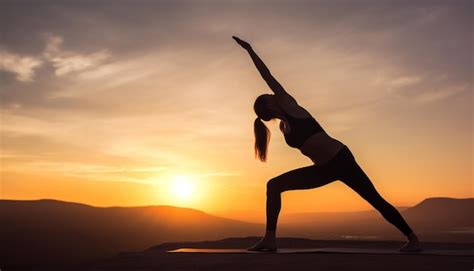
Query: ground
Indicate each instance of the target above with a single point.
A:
(157, 258)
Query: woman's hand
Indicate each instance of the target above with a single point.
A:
(242, 43)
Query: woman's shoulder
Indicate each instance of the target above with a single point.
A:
(289, 105)
(298, 113)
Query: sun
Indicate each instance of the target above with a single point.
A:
(182, 186)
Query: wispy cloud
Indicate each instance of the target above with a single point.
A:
(52, 46)
(22, 66)
(220, 173)
(63, 61)
(416, 89)
(434, 95)
(75, 62)
(404, 81)
(66, 62)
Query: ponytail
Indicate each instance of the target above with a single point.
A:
(262, 137)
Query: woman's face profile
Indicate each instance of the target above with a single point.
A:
(261, 107)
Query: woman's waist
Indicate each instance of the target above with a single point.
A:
(321, 147)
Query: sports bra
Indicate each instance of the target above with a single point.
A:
(300, 130)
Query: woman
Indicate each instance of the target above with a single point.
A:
(334, 159)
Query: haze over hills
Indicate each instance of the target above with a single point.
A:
(434, 219)
(42, 230)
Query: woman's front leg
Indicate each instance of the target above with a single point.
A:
(302, 178)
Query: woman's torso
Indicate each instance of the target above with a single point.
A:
(298, 129)
(307, 135)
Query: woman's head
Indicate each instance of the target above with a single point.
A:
(261, 132)
(261, 107)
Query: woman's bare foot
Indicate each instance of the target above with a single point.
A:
(412, 245)
(267, 243)
(264, 245)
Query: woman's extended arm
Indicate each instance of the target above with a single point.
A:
(262, 68)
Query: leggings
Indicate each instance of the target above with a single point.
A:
(342, 167)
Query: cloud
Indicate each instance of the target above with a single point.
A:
(52, 46)
(22, 66)
(75, 62)
(439, 94)
(219, 174)
(404, 81)
(420, 89)
(64, 62)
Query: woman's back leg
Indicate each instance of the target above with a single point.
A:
(356, 179)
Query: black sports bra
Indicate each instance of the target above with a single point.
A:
(300, 130)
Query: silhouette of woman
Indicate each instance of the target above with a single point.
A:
(334, 159)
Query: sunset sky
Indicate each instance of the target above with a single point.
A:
(115, 102)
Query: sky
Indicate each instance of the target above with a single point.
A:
(126, 103)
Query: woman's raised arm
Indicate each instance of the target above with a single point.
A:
(262, 68)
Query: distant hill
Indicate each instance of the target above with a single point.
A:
(443, 212)
(44, 230)
(54, 232)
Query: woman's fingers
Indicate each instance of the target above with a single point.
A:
(237, 38)
(241, 42)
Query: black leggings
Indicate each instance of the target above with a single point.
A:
(342, 167)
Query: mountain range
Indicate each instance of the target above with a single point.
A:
(51, 231)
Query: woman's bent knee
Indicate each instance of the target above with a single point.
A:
(272, 186)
